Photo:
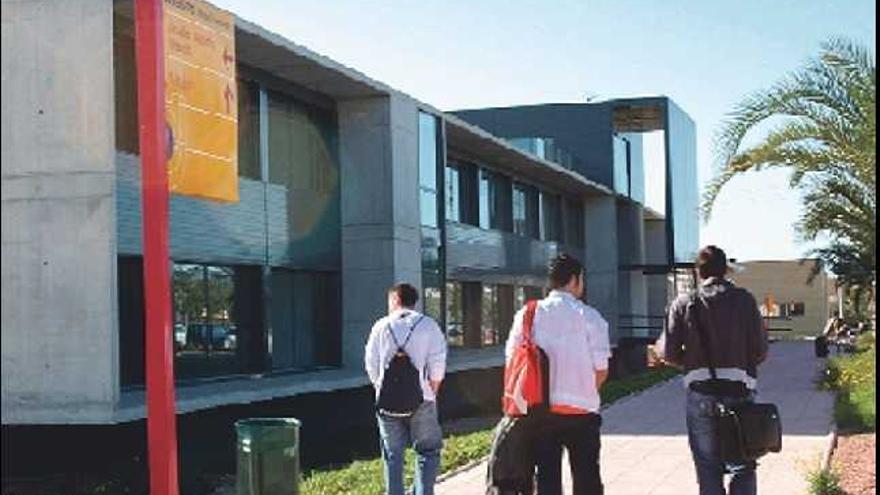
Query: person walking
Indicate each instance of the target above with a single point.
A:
(717, 325)
(405, 358)
(574, 336)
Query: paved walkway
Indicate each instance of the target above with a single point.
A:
(644, 441)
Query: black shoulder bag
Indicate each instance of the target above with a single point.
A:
(748, 430)
(401, 391)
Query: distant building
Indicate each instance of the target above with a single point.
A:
(789, 304)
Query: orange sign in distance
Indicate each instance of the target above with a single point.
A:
(201, 100)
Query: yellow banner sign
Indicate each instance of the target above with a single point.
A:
(201, 100)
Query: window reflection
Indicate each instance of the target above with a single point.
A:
(205, 331)
(490, 315)
(454, 314)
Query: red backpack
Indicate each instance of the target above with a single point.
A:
(526, 374)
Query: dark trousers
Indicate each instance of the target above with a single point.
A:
(579, 434)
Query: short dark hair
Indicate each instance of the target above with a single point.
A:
(562, 269)
(711, 262)
(408, 294)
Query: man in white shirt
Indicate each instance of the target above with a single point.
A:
(425, 345)
(575, 338)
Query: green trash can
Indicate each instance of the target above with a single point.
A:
(268, 456)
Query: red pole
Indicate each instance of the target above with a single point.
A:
(161, 420)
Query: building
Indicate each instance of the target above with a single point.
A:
(792, 303)
(346, 186)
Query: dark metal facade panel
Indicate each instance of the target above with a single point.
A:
(492, 256)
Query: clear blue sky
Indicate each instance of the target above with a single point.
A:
(704, 55)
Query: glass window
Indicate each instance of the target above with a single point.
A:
(428, 169)
(453, 194)
(454, 314)
(551, 213)
(217, 319)
(490, 200)
(432, 300)
(490, 317)
(249, 130)
(485, 200)
(430, 187)
(520, 225)
(574, 218)
(306, 326)
(303, 191)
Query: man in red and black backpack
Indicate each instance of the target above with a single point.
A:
(574, 338)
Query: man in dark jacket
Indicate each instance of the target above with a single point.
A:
(721, 322)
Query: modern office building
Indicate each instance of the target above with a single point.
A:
(644, 150)
(346, 186)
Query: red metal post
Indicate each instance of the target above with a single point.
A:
(161, 420)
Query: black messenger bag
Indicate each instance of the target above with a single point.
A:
(746, 431)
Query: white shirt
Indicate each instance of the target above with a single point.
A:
(575, 338)
(426, 348)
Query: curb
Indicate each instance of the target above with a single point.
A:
(829, 448)
(461, 469)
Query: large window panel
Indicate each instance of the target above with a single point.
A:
(306, 326)
(490, 320)
(520, 225)
(218, 324)
(453, 193)
(454, 314)
(574, 223)
(249, 130)
(303, 189)
(551, 211)
(431, 199)
(495, 210)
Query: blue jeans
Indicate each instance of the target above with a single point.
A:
(422, 431)
(703, 439)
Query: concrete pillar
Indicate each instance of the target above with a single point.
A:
(602, 258)
(378, 139)
(655, 254)
(633, 300)
(59, 339)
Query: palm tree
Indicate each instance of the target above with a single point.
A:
(822, 126)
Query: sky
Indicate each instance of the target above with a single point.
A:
(705, 55)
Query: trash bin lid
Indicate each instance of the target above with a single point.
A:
(263, 434)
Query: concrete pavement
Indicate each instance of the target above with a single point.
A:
(644, 440)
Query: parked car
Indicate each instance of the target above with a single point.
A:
(212, 335)
(179, 336)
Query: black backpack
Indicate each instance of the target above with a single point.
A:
(401, 392)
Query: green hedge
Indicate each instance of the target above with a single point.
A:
(854, 377)
(365, 477)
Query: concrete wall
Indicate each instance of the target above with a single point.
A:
(786, 281)
(378, 140)
(59, 341)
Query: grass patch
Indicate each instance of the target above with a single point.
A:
(365, 477)
(854, 378)
(824, 482)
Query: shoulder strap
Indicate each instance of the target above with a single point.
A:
(411, 330)
(529, 320)
(705, 338)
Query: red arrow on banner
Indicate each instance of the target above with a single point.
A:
(228, 96)
(227, 58)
